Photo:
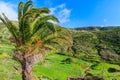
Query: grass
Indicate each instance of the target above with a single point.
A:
(53, 67)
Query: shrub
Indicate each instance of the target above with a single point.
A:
(111, 70)
(67, 61)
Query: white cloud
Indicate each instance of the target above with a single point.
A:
(62, 13)
(9, 10)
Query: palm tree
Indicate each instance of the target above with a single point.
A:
(35, 35)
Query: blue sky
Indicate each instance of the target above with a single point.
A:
(73, 13)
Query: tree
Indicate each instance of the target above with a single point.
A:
(35, 35)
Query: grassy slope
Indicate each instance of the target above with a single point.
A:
(53, 67)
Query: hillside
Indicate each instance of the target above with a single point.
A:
(109, 35)
(102, 43)
(95, 51)
(94, 28)
(55, 68)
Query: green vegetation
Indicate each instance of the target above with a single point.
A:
(97, 45)
(92, 52)
(35, 35)
(54, 69)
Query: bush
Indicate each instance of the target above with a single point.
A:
(93, 66)
(67, 61)
(109, 56)
(111, 70)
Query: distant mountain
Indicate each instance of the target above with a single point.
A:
(95, 28)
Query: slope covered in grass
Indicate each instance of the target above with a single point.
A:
(59, 67)
(54, 67)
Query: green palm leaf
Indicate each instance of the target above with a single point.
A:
(12, 28)
(20, 10)
(36, 28)
(27, 6)
(35, 35)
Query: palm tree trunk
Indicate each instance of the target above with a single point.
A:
(26, 71)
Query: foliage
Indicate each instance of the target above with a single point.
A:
(67, 61)
(52, 67)
(111, 38)
(84, 43)
(34, 26)
(35, 34)
(36, 31)
(111, 70)
(97, 28)
(97, 45)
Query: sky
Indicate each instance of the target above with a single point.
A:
(73, 13)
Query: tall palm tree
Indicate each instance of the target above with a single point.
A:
(35, 35)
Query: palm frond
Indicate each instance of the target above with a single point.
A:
(56, 44)
(50, 47)
(20, 10)
(12, 28)
(36, 11)
(36, 28)
(27, 6)
(35, 25)
(46, 26)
